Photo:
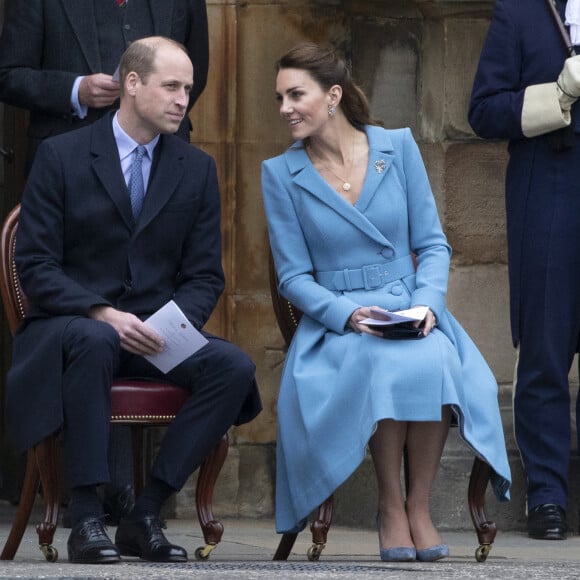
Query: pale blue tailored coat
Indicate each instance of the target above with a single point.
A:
(333, 257)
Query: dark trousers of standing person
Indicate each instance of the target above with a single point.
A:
(549, 322)
(219, 378)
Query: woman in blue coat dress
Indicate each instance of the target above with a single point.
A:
(347, 206)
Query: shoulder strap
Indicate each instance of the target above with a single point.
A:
(552, 8)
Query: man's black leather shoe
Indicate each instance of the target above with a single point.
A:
(144, 538)
(88, 543)
(547, 522)
(118, 505)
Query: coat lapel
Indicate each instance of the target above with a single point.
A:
(166, 174)
(82, 19)
(107, 166)
(305, 175)
(380, 160)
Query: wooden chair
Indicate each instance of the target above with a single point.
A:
(137, 403)
(288, 317)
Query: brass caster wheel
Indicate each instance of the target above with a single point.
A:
(203, 553)
(314, 552)
(482, 552)
(50, 553)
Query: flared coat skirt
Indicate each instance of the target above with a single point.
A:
(336, 387)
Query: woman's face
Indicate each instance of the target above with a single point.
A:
(303, 102)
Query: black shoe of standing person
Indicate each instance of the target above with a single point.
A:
(89, 543)
(143, 537)
(118, 505)
(547, 522)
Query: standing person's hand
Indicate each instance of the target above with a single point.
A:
(98, 91)
(569, 83)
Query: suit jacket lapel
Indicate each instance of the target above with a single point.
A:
(82, 19)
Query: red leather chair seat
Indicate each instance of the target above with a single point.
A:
(138, 400)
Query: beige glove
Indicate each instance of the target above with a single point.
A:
(569, 83)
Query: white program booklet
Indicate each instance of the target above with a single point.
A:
(181, 338)
(380, 317)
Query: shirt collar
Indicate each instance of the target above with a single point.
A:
(127, 144)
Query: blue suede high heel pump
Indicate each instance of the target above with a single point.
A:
(402, 554)
(398, 554)
(433, 553)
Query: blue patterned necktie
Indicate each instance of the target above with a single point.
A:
(136, 185)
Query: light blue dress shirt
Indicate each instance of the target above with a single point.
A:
(126, 146)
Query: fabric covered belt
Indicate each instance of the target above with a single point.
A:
(368, 277)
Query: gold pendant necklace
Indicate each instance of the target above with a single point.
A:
(346, 186)
(345, 183)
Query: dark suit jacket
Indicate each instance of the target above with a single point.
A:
(46, 44)
(77, 248)
(523, 47)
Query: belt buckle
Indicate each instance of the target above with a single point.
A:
(373, 276)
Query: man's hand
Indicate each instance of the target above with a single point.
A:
(136, 336)
(98, 91)
(569, 83)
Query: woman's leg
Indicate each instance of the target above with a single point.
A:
(386, 446)
(425, 442)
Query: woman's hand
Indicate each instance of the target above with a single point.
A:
(358, 315)
(427, 323)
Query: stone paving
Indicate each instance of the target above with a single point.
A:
(247, 547)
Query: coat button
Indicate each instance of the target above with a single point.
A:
(396, 290)
(387, 253)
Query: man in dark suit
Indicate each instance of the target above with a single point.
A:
(94, 268)
(526, 90)
(57, 57)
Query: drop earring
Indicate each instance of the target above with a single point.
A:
(331, 111)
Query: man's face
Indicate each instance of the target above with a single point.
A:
(160, 103)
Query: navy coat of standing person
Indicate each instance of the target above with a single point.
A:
(525, 90)
(93, 272)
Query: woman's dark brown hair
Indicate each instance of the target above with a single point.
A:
(328, 69)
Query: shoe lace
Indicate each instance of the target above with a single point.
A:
(156, 528)
(95, 528)
(156, 525)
